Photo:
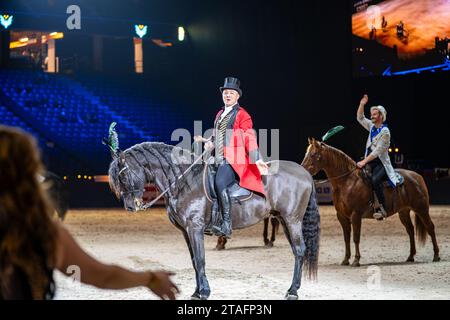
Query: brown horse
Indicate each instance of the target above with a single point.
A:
(352, 194)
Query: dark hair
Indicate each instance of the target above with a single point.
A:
(27, 230)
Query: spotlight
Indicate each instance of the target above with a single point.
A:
(65, 177)
(181, 34)
(397, 150)
(390, 149)
(79, 176)
(85, 177)
(56, 35)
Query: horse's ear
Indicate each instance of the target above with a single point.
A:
(309, 140)
(121, 158)
(317, 144)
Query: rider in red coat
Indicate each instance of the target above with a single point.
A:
(241, 150)
(236, 151)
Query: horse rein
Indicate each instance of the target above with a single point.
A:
(317, 158)
(337, 177)
(149, 205)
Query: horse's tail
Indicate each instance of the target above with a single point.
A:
(311, 234)
(421, 231)
(423, 210)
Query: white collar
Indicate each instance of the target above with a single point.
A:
(227, 110)
(230, 107)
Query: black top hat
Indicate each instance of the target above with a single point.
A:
(232, 83)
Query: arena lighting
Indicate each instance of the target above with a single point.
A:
(56, 35)
(181, 34)
(161, 43)
(23, 42)
(65, 177)
(17, 44)
(141, 30)
(390, 149)
(397, 150)
(6, 20)
(79, 177)
(443, 67)
(102, 179)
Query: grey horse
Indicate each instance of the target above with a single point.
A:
(290, 193)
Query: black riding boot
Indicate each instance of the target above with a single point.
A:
(381, 212)
(214, 218)
(225, 229)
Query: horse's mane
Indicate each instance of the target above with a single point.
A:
(163, 154)
(337, 157)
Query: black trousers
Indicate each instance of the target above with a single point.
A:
(225, 176)
(378, 176)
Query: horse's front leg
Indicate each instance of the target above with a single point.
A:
(356, 225)
(196, 241)
(347, 229)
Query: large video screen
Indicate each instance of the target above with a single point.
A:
(397, 37)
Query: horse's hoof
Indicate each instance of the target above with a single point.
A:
(410, 259)
(269, 245)
(356, 264)
(291, 296)
(220, 248)
(197, 296)
(345, 263)
(436, 259)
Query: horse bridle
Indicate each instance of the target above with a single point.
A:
(316, 157)
(147, 206)
(131, 172)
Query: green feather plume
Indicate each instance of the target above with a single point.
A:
(332, 132)
(113, 139)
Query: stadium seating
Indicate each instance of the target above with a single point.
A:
(75, 112)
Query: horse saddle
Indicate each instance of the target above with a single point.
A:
(374, 203)
(237, 193)
(386, 183)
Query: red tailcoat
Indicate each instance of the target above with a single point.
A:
(241, 150)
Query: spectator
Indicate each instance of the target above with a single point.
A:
(33, 245)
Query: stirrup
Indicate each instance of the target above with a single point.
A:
(380, 214)
(218, 231)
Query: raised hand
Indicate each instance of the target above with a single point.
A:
(364, 100)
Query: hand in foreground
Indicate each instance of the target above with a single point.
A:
(161, 285)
